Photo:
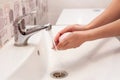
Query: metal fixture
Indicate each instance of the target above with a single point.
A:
(22, 34)
(59, 74)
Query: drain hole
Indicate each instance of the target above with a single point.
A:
(59, 74)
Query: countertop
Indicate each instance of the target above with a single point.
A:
(12, 57)
(77, 16)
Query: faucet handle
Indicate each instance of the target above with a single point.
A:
(20, 19)
(19, 22)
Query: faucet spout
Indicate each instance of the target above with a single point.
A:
(22, 34)
(37, 28)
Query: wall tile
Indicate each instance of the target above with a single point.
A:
(1, 25)
(15, 8)
(1, 19)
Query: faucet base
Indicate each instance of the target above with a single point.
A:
(20, 45)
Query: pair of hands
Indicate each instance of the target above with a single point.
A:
(75, 39)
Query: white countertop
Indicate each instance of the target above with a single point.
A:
(77, 16)
(12, 57)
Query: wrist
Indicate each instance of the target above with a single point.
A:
(85, 35)
(92, 25)
(89, 26)
(89, 35)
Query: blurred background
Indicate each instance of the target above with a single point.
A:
(56, 6)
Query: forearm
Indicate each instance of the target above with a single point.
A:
(108, 30)
(111, 14)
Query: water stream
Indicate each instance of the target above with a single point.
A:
(57, 66)
(56, 57)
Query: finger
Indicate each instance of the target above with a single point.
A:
(56, 39)
(62, 45)
(66, 29)
(64, 48)
(68, 46)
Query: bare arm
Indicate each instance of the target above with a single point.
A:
(108, 30)
(78, 37)
(111, 14)
(105, 25)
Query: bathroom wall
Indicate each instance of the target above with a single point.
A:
(11, 9)
(56, 6)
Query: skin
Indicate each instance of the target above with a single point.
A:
(105, 25)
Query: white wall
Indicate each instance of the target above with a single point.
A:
(56, 6)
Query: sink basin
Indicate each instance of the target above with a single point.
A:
(93, 60)
(34, 64)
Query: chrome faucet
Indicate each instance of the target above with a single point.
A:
(22, 34)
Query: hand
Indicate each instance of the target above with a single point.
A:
(69, 28)
(75, 39)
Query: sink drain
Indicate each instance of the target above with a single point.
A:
(59, 74)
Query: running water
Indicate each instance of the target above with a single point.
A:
(56, 68)
(56, 63)
(53, 42)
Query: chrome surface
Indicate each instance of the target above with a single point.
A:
(22, 34)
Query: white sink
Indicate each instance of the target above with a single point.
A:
(94, 60)
(24, 63)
